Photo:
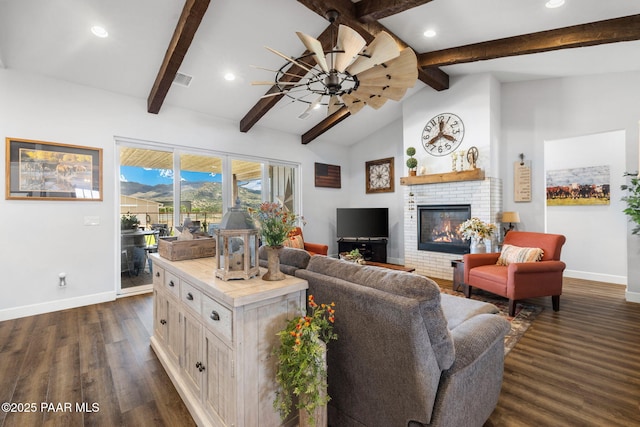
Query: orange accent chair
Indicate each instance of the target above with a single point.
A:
(296, 240)
(519, 280)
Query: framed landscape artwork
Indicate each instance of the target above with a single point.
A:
(579, 186)
(38, 170)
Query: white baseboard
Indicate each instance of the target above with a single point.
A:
(596, 277)
(632, 296)
(50, 306)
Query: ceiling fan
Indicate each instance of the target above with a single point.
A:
(351, 74)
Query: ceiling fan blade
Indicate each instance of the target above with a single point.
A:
(382, 49)
(314, 46)
(376, 102)
(269, 95)
(352, 103)
(272, 83)
(351, 43)
(399, 72)
(394, 93)
(276, 71)
(293, 61)
(334, 104)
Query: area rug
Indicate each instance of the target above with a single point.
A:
(525, 313)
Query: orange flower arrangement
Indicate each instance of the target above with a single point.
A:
(301, 368)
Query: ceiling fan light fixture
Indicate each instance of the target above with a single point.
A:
(330, 78)
(99, 31)
(552, 4)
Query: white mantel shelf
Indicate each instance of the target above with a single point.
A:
(437, 178)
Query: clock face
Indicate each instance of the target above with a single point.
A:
(442, 134)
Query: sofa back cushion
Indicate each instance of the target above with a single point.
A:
(382, 369)
(295, 258)
(408, 285)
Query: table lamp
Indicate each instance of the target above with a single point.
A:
(511, 218)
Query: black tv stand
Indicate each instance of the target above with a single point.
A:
(372, 249)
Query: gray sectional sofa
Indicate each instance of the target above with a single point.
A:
(406, 355)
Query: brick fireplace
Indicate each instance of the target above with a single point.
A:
(483, 196)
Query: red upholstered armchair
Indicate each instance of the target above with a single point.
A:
(519, 280)
(296, 240)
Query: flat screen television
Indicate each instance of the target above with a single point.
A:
(371, 223)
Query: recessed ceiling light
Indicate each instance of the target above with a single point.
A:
(430, 33)
(230, 77)
(551, 4)
(99, 31)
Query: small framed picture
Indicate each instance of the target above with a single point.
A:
(38, 170)
(379, 176)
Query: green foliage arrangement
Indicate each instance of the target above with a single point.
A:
(474, 228)
(129, 221)
(301, 368)
(412, 162)
(275, 222)
(633, 200)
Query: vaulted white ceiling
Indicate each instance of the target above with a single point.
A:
(53, 38)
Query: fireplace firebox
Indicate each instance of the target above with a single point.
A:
(438, 228)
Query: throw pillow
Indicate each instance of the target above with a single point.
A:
(511, 254)
(294, 242)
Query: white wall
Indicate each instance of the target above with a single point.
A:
(43, 238)
(581, 224)
(470, 98)
(380, 145)
(535, 111)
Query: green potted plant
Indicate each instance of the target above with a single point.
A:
(412, 162)
(633, 200)
(129, 221)
(301, 372)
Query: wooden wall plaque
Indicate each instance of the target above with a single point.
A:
(327, 175)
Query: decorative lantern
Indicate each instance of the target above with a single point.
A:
(237, 245)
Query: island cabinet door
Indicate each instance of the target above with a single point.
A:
(192, 362)
(220, 386)
(160, 316)
(173, 331)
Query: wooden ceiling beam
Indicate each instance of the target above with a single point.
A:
(192, 14)
(372, 10)
(591, 34)
(325, 125)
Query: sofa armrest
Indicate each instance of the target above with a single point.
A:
(316, 248)
(476, 260)
(474, 336)
(475, 379)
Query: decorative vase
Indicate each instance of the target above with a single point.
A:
(478, 246)
(320, 413)
(273, 264)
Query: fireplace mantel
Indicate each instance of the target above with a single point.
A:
(437, 178)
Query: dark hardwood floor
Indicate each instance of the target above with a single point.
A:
(577, 367)
(96, 355)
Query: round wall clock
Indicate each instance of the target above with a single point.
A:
(442, 134)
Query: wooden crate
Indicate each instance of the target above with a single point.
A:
(174, 250)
